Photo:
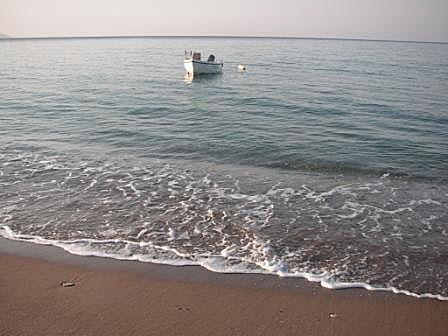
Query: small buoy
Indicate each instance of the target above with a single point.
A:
(242, 68)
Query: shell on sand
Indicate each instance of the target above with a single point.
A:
(67, 284)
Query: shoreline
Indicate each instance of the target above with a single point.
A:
(125, 297)
(49, 250)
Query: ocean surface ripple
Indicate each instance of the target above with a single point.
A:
(326, 160)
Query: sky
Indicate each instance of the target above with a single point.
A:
(416, 20)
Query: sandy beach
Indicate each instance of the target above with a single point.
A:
(113, 297)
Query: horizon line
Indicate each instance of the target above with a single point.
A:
(7, 37)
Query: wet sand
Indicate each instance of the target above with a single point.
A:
(130, 298)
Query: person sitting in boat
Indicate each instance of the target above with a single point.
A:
(211, 59)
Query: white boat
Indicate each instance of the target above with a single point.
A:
(195, 66)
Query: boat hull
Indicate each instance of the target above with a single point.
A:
(201, 68)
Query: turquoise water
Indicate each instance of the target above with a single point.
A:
(327, 159)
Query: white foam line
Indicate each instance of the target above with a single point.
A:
(134, 189)
(428, 201)
(123, 191)
(91, 184)
(266, 268)
(339, 285)
(6, 232)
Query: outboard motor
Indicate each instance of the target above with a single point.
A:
(196, 56)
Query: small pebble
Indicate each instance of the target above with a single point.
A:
(67, 284)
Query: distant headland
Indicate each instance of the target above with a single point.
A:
(3, 36)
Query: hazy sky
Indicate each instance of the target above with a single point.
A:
(377, 19)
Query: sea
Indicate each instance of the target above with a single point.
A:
(325, 160)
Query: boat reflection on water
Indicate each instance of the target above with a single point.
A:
(203, 78)
(188, 78)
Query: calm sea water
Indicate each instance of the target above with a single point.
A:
(327, 159)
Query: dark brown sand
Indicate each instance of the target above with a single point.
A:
(125, 298)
